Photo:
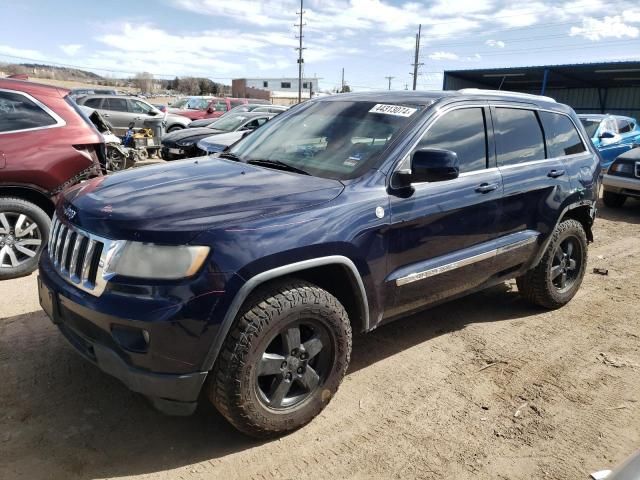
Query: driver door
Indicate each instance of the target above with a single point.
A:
(442, 236)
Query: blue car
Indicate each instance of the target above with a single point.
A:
(241, 279)
(612, 135)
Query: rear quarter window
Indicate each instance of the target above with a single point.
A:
(561, 135)
(17, 112)
(518, 136)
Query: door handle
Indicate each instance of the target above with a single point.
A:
(486, 187)
(555, 173)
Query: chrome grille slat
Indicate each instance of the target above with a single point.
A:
(74, 257)
(79, 257)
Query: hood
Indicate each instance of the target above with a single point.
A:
(174, 118)
(221, 139)
(189, 113)
(172, 203)
(188, 135)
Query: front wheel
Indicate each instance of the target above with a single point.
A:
(283, 359)
(24, 231)
(175, 128)
(556, 279)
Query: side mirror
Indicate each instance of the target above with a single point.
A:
(429, 165)
(154, 112)
(210, 110)
(606, 134)
(244, 134)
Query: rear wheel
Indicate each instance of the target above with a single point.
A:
(24, 230)
(283, 360)
(556, 279)
(612, 199)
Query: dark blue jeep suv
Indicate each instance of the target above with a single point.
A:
(242, 276)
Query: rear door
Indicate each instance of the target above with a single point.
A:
(441, 236)
(116, 111)
(535, 179)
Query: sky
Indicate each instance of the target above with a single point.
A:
(370, 39)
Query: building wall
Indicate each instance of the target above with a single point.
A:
(618, 101)
(275, 84)
(239, 89)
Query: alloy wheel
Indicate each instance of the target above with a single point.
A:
(20, 239)
(567, 264)
(294, 365)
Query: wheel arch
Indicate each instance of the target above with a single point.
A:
(29, 194)
(583, 212)
(336, 274)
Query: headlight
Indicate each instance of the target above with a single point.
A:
(620, 167)
(185, 143)
(147, 260)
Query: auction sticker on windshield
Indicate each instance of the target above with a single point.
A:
(397, 110)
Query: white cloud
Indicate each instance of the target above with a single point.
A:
(443, 56)
(402, 43)
(595, 29)
(20, 52)
(495, 43)
(71, 49)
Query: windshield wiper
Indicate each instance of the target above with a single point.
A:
(278, 164)
(230, 156)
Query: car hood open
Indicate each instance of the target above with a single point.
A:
(171, 203)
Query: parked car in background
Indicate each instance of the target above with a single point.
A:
(249, 107)
(194, 102)
(120, 111)
(241, 279)
(81, 92)
(622, 179)
(183, 144)
(611, 134)
(214, 108)
(219, 142)
(46, 145)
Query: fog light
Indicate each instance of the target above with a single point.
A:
(145, 335)
(131, 339)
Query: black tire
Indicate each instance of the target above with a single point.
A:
(613, 200)
(241, 376)
(553, 282)
(175, 128)
(11, 210)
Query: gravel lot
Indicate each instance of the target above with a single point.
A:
(483, 387)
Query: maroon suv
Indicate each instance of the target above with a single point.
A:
(46, 145)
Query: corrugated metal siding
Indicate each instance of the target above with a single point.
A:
(618, 101)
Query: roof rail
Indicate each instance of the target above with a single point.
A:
(481, 91)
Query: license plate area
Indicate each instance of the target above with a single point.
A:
(48, 301)
(176, 151)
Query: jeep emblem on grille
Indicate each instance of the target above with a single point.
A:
(69, 212)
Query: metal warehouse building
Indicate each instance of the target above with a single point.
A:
(589, 88)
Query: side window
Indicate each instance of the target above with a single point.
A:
(137, 106)
(220, 106)
(93, 103)
(461, 131)
(561, 134)
(17, 112)
(518, 136)
(624, 126)
(609, 125)
(115, 104)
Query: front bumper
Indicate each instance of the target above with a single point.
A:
(161, 369)
(623, 185)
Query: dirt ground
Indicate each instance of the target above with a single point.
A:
(483, 387)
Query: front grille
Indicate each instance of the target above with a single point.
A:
(77, 256)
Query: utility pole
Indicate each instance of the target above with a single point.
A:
(300, 48)
(415, 63)
(389, 78)
(342, 84)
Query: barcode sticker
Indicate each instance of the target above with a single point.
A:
(397, 110)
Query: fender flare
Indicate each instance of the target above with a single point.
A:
(568, 208)
(257, 280)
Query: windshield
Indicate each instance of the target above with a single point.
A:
(229, 124)
(332, 139)
(590, 125)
